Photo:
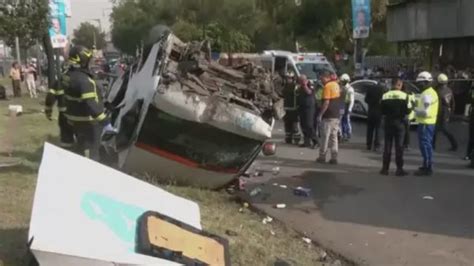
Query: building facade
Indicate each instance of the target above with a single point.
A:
(447, 24)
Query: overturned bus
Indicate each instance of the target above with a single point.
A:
(182, 117)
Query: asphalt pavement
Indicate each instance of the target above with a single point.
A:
(373, 219)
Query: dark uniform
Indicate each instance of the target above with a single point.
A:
(292, 134)
(54, 96)
(395, 108)
(374, 120)
(470, 146)
(84, 103)
(446, 104)
(306, 106)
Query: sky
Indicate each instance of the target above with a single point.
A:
(88, 11)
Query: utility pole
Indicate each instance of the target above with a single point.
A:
(17, 47)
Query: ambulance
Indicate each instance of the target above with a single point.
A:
(309, 64)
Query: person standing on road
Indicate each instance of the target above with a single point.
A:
(84, 104)
(426, 115)
(306, 103)
(329, 116)
(292, 134)
(395, 108)
(470, 146)
(318, 94)
(409, 118)
(446, 105)
(346, 127)
(30, 77)
(15, 75)
(373, 98)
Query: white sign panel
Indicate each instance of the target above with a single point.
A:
(85, 213)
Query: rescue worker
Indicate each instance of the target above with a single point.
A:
(395, 108)
(84, 104)
(318, 95)
(446, 105)
(55, 96)
(346, 127)
(426, 111)
(330, 118)
(470, 146)
(306, 104)
(410, 117)
(292, 134)
(373, 98)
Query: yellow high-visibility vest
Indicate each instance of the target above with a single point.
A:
(432, 111)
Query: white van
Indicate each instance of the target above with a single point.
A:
(308, 64)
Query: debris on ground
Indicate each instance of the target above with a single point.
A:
(301, 191)
(276, 170)
(284, 186)
(267, 220)
(307, 240)
(381, 233)
(428, 198)
(254, 192)
(231, 233)
(280, 206)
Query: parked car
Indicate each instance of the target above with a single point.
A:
(362, 86)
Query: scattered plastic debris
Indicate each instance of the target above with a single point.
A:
(255, 192)
(241, 210)
(246, 205)
(280, 206)
(307, 240)
(301, 191)
(275, 184)
(428, 198)
(284, 186)
(381, 233)
(258, 174)
(323, 256)
(267, 220)
(276, 170)
(272, 233)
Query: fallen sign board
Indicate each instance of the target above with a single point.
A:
(85, 213)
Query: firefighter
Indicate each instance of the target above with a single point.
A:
(84, 104)
(292, 134)
(395, 108)
(446, 106)
(346, 127)
(306, 106)
(54, 96)
(470, 146)
(426, 111)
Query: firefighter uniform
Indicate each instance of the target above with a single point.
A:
(395, 108)
(426, 115)
(84, 105)
(292, 134)
(55, 96)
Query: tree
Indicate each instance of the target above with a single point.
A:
(89, 36)
(27, 20)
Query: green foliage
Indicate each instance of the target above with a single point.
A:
(28, 21)
(89, 36)
(247, 25)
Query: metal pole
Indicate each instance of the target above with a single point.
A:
(17, 47)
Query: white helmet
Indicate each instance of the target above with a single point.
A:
(345, 77)
(424, 76)
(442, 79)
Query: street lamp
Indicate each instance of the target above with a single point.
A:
(93, 32)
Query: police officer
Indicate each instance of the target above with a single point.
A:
(446, 105)
(426, 111)
(395, 108)
(373, 98)
(84, 104)
(470, 146)
(55, 96)
(346, 127)
(306, 103)
(292, 134)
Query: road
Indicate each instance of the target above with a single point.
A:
(369, 218)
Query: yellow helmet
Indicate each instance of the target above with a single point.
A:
(443, 79)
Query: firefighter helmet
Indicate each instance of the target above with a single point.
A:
(79, 56)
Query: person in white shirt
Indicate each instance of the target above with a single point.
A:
(346, 127)
(30, 78)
